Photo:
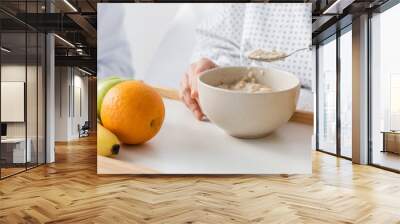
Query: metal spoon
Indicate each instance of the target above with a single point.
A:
(261, 55)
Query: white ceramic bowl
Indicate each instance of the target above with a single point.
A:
(248, 115)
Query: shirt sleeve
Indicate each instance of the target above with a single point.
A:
(219, 37)
(114, 57)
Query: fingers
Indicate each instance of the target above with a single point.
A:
(193, 106)
(184, 86)
(189, 89)
(190, 102)
(195, 71)
(194, 92)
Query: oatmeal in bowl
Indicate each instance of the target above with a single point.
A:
(248, 102)
(247, 83)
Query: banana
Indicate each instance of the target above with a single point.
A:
(107, 143)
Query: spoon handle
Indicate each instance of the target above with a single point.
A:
(301, 49)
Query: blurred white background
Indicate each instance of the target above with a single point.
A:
(148, 32)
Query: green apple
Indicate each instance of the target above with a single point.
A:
(102, 88)
(110, 77)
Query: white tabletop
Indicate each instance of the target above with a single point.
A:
(187, 146)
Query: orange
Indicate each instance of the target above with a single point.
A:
(133, 111)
